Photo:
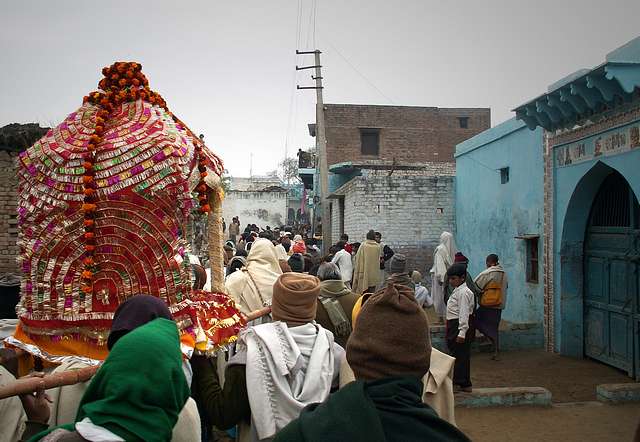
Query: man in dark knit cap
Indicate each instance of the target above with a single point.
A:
(389, 355)
(278, 369)
(448, 288)
(460, 307)
(398, 272)
(296, 262)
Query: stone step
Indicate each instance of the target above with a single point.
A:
(438, 340)
(504, 397)
(617, 393)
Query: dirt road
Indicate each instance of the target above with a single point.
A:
(590, 421)
(568, 379)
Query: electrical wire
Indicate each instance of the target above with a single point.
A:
(315, 19)
(483, 165)
(293, 102)
(357, 71)
(310, 23)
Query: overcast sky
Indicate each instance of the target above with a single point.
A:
(226, 68)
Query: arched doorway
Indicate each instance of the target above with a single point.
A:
(611, 276)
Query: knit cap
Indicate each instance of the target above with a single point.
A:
(397, 263)
(295, 298)
(460, 258)
(391, 337)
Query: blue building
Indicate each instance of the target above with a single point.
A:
(592, 226)
(499, 209)
(584, 141)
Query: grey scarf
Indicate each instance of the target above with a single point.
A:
(330, 291)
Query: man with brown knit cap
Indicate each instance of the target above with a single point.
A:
(278, 368)
(389, 353)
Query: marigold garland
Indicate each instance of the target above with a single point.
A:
(123, 82)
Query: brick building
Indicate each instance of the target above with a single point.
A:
(362, 133)
(411, 208)
(14, 138)
(391, 169)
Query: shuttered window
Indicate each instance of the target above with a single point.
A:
(370, 141)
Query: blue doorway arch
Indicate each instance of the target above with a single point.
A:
(577, 280)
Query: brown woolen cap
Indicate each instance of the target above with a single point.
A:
(295, 298)
(391, 337)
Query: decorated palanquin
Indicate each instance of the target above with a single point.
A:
(104, 200)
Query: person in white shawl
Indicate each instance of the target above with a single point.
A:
(12, 415)
(442, 259)
(278, 368)
(252, 287)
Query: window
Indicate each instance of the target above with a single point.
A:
(504, 175)
(532, 259)
(370, 141)
(463, 122)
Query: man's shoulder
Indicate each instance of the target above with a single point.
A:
(421, 289)
(464, 288)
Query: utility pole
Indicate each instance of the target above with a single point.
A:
(321, 147)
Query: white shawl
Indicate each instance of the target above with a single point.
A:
(12, 416)
(287, 369)
(281, 253)
(252, 287)
(443, 256)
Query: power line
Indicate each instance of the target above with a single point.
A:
(310, 23)
(315, 19)
(294, 75)
(361, 74)
(299, 24)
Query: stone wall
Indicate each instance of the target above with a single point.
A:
(260, 208)
(8, 215)
(407, 134)
(410, 208)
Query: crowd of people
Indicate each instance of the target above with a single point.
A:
(345, 353)
(456, 299)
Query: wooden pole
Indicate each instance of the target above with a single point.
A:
(258, 313)
(71, 377)
(29, 385)
(216, 247)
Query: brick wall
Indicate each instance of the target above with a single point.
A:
(408, 134)
(8, 215)
(13, 139)
(404, 207)
(336, 215)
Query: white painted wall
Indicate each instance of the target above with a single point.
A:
(260, 208)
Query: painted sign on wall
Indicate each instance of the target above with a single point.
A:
(612, 142)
